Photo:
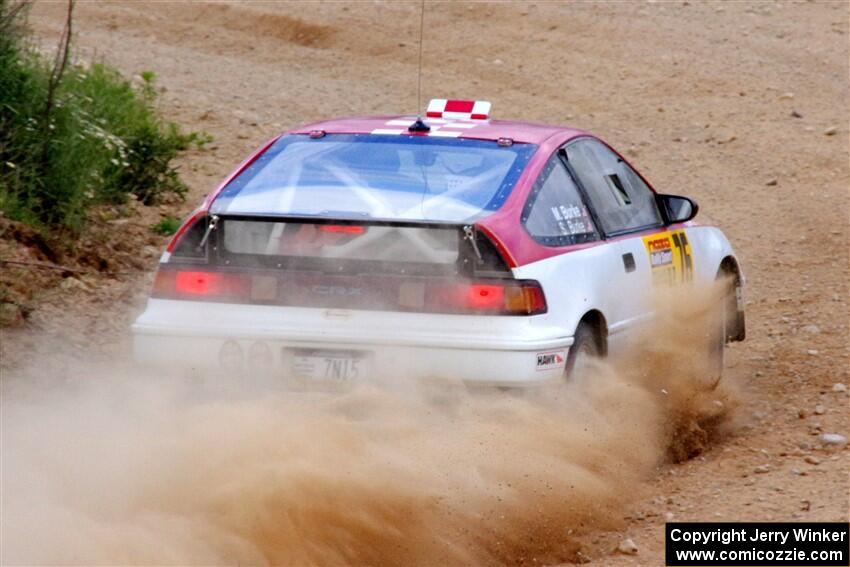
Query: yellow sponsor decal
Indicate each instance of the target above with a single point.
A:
(670, 257)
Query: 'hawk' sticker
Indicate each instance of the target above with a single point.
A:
(550, 360)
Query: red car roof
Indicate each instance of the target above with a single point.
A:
(525, 132)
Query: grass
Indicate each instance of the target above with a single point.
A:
(167, 226)
(96, 138)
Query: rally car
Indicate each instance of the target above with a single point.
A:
(443, 246)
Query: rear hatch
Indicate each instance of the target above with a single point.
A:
(344, 264)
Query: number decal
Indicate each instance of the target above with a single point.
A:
(342, 368)
(670, 257)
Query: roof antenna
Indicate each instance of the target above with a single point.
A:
(420, 125)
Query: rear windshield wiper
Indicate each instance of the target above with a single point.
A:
(469, 234)
(213, 224)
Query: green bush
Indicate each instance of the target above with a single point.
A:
(99, 142)
(167, 226)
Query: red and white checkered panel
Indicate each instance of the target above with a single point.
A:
(458, 109)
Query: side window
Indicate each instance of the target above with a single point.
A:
(620, 198)
(555, 214)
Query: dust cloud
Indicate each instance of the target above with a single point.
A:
(110, 464)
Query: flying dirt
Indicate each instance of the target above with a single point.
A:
(741, 105)
(110, 464)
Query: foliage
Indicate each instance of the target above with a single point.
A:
(167, 226)
(91, 138)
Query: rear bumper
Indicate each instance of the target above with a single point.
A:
(499, 353)
(386, 362)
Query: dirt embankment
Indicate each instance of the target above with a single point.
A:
(742, 106)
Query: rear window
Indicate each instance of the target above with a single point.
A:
(370, 176)
(353, 242)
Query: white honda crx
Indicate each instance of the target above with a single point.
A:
(452, 246)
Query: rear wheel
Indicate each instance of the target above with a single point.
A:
(585, 350)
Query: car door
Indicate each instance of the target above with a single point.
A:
(557, 214)
(626, 213)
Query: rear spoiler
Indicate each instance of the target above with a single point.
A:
(488, 253)
(344, 221)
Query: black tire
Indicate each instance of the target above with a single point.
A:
(720, 324)
(585, 343)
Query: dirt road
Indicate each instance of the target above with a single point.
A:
(742, 106)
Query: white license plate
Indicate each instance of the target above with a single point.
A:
(329, 365)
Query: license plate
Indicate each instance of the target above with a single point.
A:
(340, 366)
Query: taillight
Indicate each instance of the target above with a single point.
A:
(381, 293)
(525, 299)
(201, 284)
(492, 298)
(484, 296)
